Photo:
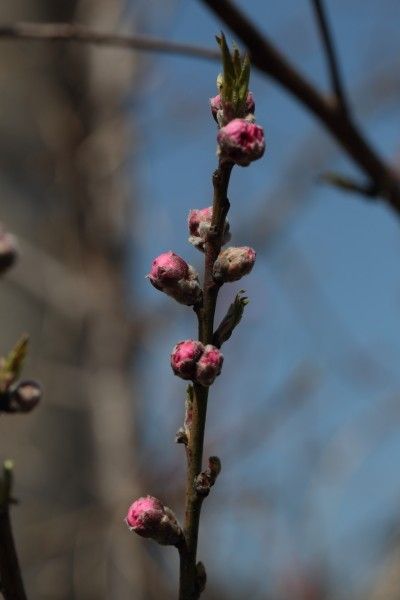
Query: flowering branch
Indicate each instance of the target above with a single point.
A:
(240, 141)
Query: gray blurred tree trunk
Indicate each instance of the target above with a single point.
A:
(63, 143)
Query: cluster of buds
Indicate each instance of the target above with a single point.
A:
(149, 518)
(199, 222)
(191, 360)
(171, 274)
(239, 139)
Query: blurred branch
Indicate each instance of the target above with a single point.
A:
(331, 58)
(11, 585)
(270, 61)
(348, 185)
(80, 33)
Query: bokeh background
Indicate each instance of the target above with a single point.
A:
(102, 154)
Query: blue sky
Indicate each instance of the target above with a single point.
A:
(321, 487)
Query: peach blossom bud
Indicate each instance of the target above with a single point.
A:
(209, 365)
(241, 142)
(8, 250)
(199, 222)
(225, 112)
(184, 358)
(233, 263)
(26, 396)
(171, 274)
(149, 518)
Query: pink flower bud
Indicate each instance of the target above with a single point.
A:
(199, 222)
(8, 250)
(223, 113)
(233, 263)
(26, 396)
(149, 518)
(184, 358)
(171, 274)
(241, 142)
(209, 365)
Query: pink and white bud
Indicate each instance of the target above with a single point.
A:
(184, 358)
(225, 112)
(8, 250)
(209, 365)
(172, 275)
(26, 396)
(233, 263)
(149, 518)
(241, 142)
(199, 222)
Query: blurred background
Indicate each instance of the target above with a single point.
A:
(102, 154)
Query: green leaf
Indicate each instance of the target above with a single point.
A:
(11, 365)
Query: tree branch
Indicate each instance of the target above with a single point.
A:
(266, 58)
(80, 33)
(189, 588)
(331, 58)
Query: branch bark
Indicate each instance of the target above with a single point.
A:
(189, 586)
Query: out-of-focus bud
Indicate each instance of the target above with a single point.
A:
(223, 112)
(171, 274)
(199, 222)
(233, 263)
(149, 518)
(241, 142)
(184, 358)
(209, 365)
(26, 396)
(8, 250)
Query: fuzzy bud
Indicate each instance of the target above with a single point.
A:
(241, 141)
(233, 263)
(223, 112)
(184, 358)
(209, 365)
(149, 518)
(8, 250)
(171, 274)
(199, 222)
(26, 396)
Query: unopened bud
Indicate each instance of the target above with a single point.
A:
(149, 518)
(171, 274)
(241, 142)
(8, 250)
(209, 365)
(233, 263)
(26, 395)
(184, 358)
(199, 222)
(223, 112)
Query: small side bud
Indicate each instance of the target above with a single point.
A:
(184, 358)
(206, 479)
(209, 365)
(241, 142)
(233, 263)
(26, 396)
(172, 275)
(199, 222)
(149, 518)
(8, 251)
(223, 111)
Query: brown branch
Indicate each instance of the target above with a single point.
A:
(266, 58)
(189, 587)
(11, 584)
(55, 32)
(331, 58)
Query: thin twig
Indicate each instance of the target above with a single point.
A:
(11, 584)
(80, 33)
(331, 58)
(266, 58)
(188, 588)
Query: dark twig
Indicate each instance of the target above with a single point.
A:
(189, 588)
(269, 60)
(331, 58)
(11, 584)
(80, 33)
